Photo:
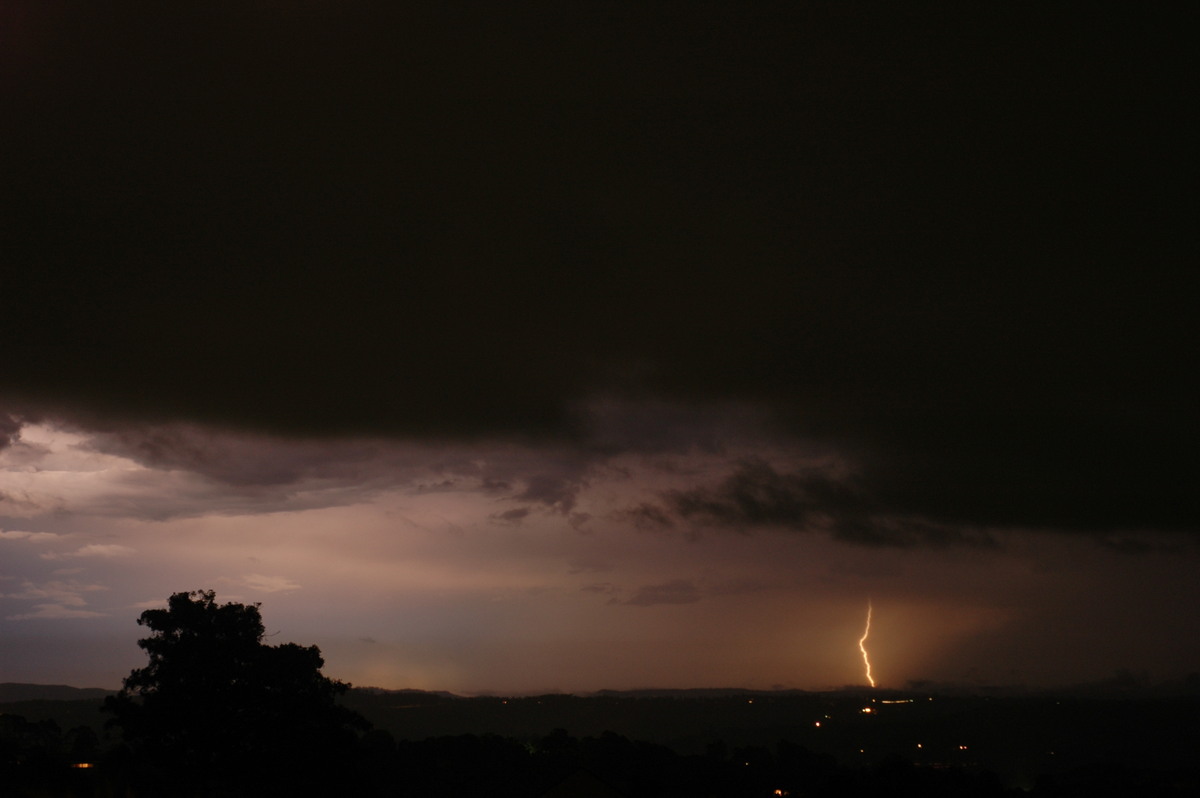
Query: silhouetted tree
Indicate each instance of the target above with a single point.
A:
(216, 709)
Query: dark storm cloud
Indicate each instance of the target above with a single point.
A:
(756, 495)
(9, 428)
(647, 517)
(182, 469)
(656, 426)
(273, 462)
(235, 460)
(514, 516)
(551, 490)
(947, 244)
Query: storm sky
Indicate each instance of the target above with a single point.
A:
(590, 345)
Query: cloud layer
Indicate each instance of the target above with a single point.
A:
(592, 341)
(497, 566)
(956, 265)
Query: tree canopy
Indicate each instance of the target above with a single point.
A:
(215, 702)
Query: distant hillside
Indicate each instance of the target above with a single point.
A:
(12, 691)
(1018, 736)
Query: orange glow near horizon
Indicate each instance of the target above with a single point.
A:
(862, 645)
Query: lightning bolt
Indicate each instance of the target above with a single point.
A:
(862, 647)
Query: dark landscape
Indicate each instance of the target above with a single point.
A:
(1094, 741)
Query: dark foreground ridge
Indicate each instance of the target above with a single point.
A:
(12, 691)
(660, 743)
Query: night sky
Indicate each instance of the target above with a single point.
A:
(581, 345)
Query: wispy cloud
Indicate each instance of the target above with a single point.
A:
(57, 599)
(269, 584)
(36, 537)
(55, 611)
(93, 550)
